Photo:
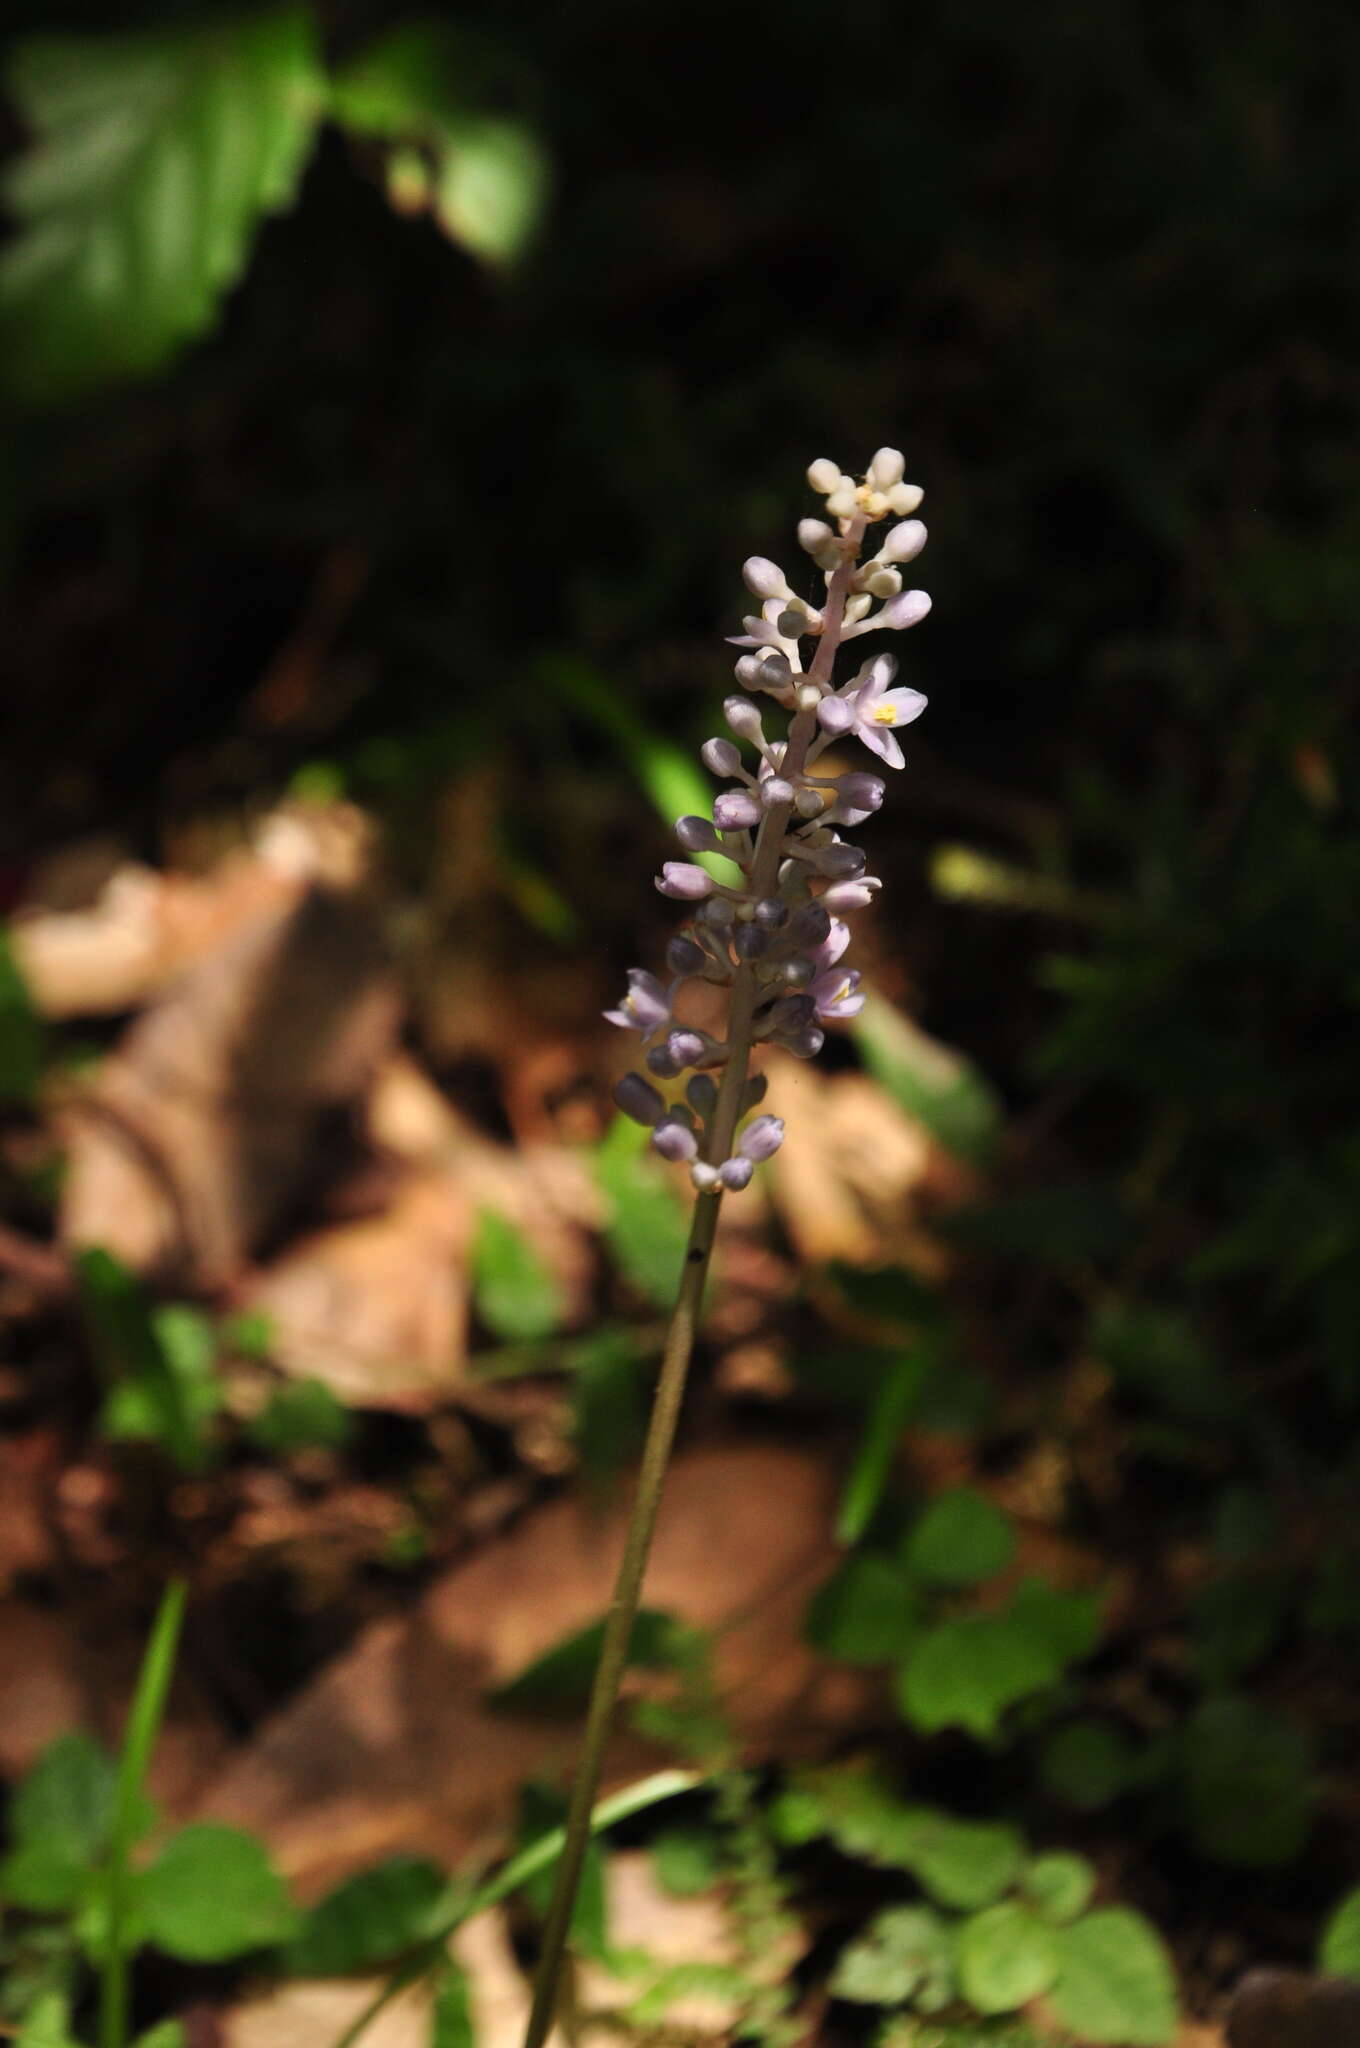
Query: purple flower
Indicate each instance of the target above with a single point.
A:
(696, 835)
(682, 879)
(674, 1139)
(762, 1138)
(736, 811)
(834, 991)
(645, 1008)
(877, 709)
(736, 1173)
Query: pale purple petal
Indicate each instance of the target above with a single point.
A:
(762, 1137)
(681, 879)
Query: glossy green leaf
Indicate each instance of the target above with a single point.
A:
(960, 1539)
(157, 153)
(212, 1893)
(1115, 1986)
(515, 1293)
(1007, 1956)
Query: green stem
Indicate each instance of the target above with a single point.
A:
(656, 1452)
(139, 1739)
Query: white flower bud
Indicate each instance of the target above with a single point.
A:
(904, 541)
(904, 498)
(744, 719)
(764, 578)
(823, 475)
(887, 468)
(843, 501)
(813, 534)
(883, 582)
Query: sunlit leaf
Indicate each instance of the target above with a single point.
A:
(1339, 1949)
(516, 1295)
(960, 1539)
(1006, 1957)
(155, 155)
(212, 1893)
(1115, 1983)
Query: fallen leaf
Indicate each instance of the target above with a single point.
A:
(393, 1747)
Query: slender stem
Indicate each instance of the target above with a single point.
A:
(679, 1348)
(656, 1452)
(139, 1739)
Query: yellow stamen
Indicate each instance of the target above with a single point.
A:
(884, 714)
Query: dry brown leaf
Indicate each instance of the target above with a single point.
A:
(202, 1132)
(393, 1747)
(848, 1179)
(144, 930)
(377, 1309)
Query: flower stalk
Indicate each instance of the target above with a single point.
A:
(774, 942)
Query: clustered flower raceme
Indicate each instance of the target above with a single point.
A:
(777, 937)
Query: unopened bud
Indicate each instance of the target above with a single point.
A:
(764, 578)
(743, 717)
(638, 1099)
(824, 475)
(696, 835)
(902, 542)
(720, 757)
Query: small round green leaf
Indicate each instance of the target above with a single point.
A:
(965, 1673)
(906, 1952)
(212, 1893)
(1115, 1987)
(1006, 1957)
(962, 1863)
(1059, 1885)
(960, 1540)
(1339, 1950)
(866, 1613)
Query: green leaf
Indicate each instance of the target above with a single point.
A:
(451, 2019)
(492, 186)
(647, 1229)
(960, 1539)
(47, 2023)
(162, 1362)
(686, 1860)
(42, 1879)
(1158, 1353)
(1087, 1764)
(906, 1952)
(21, 1029)
(1059, 1885)
(515, 1294)
(542, 1807)
(1062, 1224)
(607, 1405)
(157, 154)
(1339, 1949)
(1006, 1957)
(1115, 1985)
(930, 1081)
(165, 2034)
(64, 1805)
(961, 1863)
(301, 1415)
(489, 174)
(889, 1407)
(868, 1612)
(368, 1920)
(966, 1671)
(212, 1894)
(560, 1679)
(1249, 1788)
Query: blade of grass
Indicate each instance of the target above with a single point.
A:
(464, 1905)
(139, 1739)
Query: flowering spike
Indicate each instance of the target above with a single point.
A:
(777, 939)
